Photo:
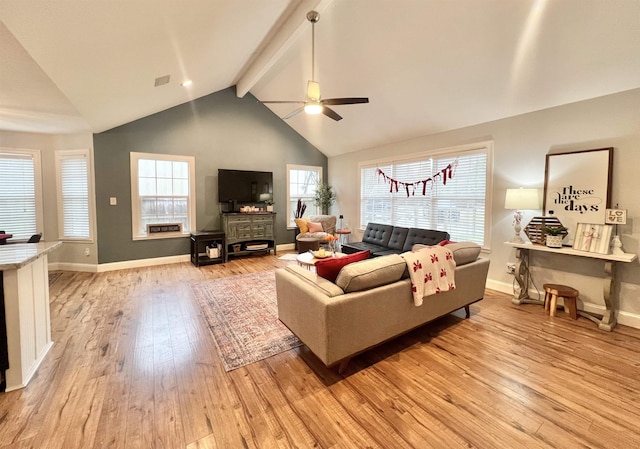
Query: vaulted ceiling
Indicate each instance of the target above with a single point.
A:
(427, 66)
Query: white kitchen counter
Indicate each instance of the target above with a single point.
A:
(25, 285)
(17, 255)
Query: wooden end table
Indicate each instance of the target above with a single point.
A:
(344, 236)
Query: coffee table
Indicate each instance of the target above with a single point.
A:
(309, 260)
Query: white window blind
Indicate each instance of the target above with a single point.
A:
(20, 196)
(302, 181)
(457, 207)
(74, 194)
(163, 189)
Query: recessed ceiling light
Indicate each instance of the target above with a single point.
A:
(186, 83)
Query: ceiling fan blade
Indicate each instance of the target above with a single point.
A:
(336, 101)
(292, 113)
(331, 113)
(284, 101)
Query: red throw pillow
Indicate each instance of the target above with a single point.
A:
(445, 242)
(329, 268)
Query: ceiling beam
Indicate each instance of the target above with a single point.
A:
(284, 37)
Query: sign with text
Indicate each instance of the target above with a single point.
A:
(576, 187)
(616, 216)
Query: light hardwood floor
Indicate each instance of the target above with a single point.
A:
(134, 366)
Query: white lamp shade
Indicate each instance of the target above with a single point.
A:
(522, 199)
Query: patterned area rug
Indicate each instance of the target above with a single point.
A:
(242, 313)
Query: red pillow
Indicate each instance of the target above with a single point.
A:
(329, 268)
(445, 242)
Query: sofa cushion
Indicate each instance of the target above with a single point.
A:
(329, 268)
(398, 236)
(315, 227)
(378, 234)
(427, 237)
(371, 273)
(464, 252)
(302, 224)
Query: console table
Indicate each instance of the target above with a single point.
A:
(248, 233)
(522, 276)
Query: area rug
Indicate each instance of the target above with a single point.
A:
(242, 314)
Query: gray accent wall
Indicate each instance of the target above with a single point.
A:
(221, 131)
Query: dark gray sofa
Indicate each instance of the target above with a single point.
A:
(382, 239)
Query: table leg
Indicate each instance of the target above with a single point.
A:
(523, 277)
(608, 320)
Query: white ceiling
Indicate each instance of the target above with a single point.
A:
(427, 65)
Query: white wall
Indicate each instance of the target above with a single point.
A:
(520, 146)
(48, 144)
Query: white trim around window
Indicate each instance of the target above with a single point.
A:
(166, 185)
(21, 203)
(302, 181)
(76, 201)
(462, 207)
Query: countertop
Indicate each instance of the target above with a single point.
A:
(17, 255)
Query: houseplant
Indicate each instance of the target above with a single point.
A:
(554, 235)
(325, 197)
(269, 204)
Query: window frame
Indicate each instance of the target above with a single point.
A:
(136, 218)
(479, 147)
(37, 179)
(87, 154)
(319, 170)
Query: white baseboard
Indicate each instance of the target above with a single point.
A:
(104, 267)
(138, 263)
(628, 319)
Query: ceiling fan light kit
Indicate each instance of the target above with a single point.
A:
(313, 103)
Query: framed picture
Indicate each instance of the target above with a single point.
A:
(594, 238)
(577, 188)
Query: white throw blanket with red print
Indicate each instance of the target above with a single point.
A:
(432, 270)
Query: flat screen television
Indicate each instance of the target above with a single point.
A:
(244, 186)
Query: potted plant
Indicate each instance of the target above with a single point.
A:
(554, 235)
(269, 204)
(325, 197)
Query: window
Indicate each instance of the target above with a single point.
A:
(20, 193)
(162, 192)
(459, 207)
(302, 181)
(75, 206)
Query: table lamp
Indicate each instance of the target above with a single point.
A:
(519, 200)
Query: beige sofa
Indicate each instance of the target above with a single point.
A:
(369, 303)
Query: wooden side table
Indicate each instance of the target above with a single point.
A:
(344, 236)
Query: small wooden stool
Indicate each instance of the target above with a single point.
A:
(569, 294)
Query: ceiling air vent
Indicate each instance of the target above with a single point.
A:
(162, 80)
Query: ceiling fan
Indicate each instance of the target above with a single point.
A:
(313, 103)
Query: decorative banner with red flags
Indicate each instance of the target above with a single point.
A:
(411, 187)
